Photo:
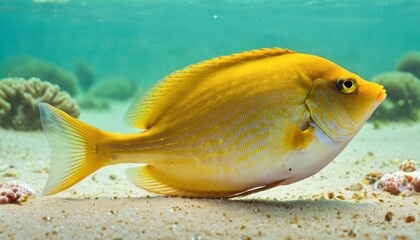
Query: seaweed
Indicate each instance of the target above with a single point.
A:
(410, 62)
(116, 88)
(19, 100)
(403, 100)
(85, 74)
(28, 67)
(88, 101)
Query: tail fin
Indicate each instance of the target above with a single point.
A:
(74, 147)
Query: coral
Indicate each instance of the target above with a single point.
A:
(27, 67)
(410, 62)
(84, 74)
(403, 100)
(392, 183)
(408, 166)
(14, 192)
(19, 100)
(372, 177)
(116, 88)
(402, 182)
(87, 101)
(416, 183)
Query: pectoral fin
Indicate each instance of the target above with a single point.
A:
(292, 138)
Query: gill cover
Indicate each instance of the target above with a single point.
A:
(329, 112)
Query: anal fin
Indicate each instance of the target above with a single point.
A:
(153, 180)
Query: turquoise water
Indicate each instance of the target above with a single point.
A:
(145, 40)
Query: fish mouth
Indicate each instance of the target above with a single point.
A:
(381, 95)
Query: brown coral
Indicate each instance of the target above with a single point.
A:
(403, 100)
(410, 62)
(19, 102)
(88, 101)
(119, 88)
(27, 67)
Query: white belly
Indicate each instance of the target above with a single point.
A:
(307, 162)
(300, 164)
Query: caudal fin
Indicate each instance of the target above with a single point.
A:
(74, 147)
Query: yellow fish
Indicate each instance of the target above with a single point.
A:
(225, 127)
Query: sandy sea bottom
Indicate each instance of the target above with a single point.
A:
(106, 205)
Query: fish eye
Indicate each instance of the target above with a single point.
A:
(346, 85)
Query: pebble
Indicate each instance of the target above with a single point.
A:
(410, 219)
(388, 216)
(113, 176)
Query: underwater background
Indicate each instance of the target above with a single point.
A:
(102, 53)
(146, 40)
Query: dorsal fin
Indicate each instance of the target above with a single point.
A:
(145, 113)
